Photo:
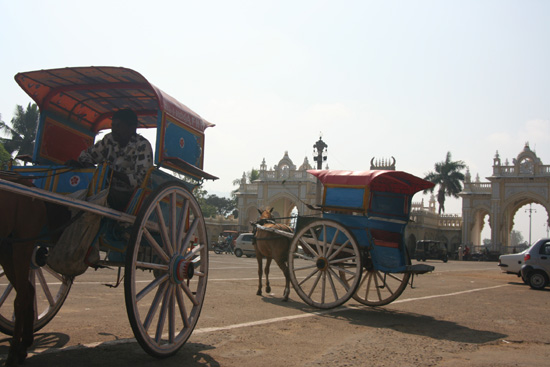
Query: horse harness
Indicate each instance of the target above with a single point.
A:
(262, 222)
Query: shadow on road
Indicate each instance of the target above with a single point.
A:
(404, 322)
(417, 324)
(125, 353)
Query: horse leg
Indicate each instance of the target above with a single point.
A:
(284, 267)
(23, 305)
(6, 260)
(259, 258)
(267, 265)
(28, 326)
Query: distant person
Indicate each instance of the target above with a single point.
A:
(128, 154)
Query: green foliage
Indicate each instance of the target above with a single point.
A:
(448, 178)
(212, 205)
(22, 131)
(4, 156)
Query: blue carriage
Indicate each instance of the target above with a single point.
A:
(160, 238)
(357, 247)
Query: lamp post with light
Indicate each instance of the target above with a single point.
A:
(319, 156)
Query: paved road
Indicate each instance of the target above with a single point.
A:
(463, 314)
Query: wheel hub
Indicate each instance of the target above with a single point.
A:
(322, 263)
(181, 269)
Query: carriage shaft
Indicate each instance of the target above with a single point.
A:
(60, 199)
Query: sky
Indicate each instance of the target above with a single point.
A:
(408, 79)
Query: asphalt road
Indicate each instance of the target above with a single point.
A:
(462, 314)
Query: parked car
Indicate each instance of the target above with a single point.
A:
(512, 263)
(244, 245)
(428, 249)
(536, 267)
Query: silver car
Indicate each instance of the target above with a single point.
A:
(512, 263)
(536, 267)
(244, 245)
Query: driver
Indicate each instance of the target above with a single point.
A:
(128, 154)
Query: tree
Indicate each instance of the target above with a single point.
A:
(4, 156)
(250, 176)
(208, 210)
(516, 238)
(211, 205)
(22, 131)
(448, 178)
(224, 206)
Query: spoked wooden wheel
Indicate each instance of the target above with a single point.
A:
(51, 290)
(166, 270)
(378, 288)
(321, 253)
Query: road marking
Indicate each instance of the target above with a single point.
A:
(334, 310)
(257, 323)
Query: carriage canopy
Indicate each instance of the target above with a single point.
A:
(377, 191)
(78, 102)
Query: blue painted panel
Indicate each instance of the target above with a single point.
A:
(344, 197)
(182, 143)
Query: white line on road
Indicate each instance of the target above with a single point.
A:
(339, 309)
(264, 322)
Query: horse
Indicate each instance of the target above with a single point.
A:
(272, 246)
(21, 220)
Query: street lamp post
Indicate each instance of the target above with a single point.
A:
(530, 211)
(319, 156)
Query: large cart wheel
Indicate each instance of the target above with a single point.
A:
(166, 270)
(321, 254)
(378, 288)
(51, 290)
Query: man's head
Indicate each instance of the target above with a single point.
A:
(124, 126)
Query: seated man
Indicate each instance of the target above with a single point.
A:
(128, 154)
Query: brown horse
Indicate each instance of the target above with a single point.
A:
(21, 219)
(273, 247)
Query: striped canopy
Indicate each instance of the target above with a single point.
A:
(88, 96)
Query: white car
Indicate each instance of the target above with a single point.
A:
(244, 245)
(512, 263)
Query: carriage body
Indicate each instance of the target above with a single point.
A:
(375, 206)
(357, 247)
(163, 234)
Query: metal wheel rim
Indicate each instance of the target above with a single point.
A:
(163, 312)
(51, 290)
(378, 288)
(316, 265)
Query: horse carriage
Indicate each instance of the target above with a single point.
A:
(160, 238)
(356, 246)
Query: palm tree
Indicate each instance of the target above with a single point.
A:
(22, 130)
(448, 178)
(250, 176)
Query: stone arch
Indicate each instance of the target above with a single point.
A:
(515, 203)
(478, 223)
(283, 204)
(250, 215)
(526, 180)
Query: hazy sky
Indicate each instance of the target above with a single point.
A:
(408, 79)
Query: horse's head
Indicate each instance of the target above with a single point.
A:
(266, 214)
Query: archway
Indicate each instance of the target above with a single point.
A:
(284, 207)
(481, 227)
(530, 223)
(512, 185)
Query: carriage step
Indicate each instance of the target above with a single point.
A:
(419, 269)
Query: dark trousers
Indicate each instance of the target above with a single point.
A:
(118, 200)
